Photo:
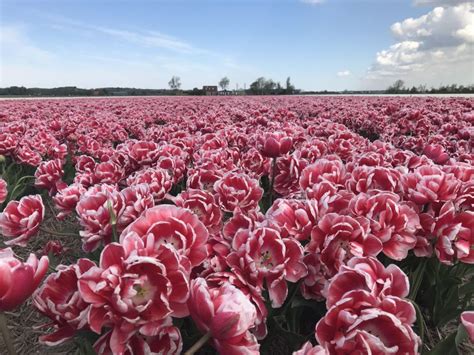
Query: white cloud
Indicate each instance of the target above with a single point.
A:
(147, 39)
(24, 63)
(435, 48)
(313, 2)
(13, 40)
(437, 28)
(343, 73)
(143, 38)
(466, 33)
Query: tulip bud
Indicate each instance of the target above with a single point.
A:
(22, 277)
(3, 191)
(275, 144)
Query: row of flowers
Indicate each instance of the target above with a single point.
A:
(217, 210)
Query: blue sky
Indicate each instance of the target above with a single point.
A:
(328, 44)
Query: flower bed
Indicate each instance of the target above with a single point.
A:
(240, 225)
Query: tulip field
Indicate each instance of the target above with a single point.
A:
(237, 225)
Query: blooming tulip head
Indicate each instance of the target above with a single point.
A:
(59, 299)
(19, 279)
(21, 220)
(48, 175)
(173, 226)
(366, 312)
(3, 191)
(437, 153)
(275, 144)
(235, 190)
(226, 313)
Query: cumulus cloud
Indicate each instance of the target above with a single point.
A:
(343, 73)
(435, 48)
(438, 28)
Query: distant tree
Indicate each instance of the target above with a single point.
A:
(263, 86)
(289, 88)
(224, 83)
(396, 87)
(258, 86)
(269, 86)
(279, 89)
(175, 83)
(197, 92)
(422, 88)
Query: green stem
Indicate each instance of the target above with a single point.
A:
(272, 181)
(113, 221)
(420, 321)
(9, 167)
(6, 334)
(114, 233)
(419, 274)
(17, 185)
(199, 344)
(290, 297)
(24, 178)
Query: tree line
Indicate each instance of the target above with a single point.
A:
(398, 87)
(261, 86)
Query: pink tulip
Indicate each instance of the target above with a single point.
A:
(437, 153)
(323, 170)
(393, 222)
(430, 184)
(308, 349)
(21, 220)
(67, 198)
(203, 204)
(267, 258)
(226, 314)
(19, 279)
(236, 190)
(157, 179)
(95, 210)
(48, 175)
(275, 144)
(337, 238)
(455, 235)
(8, 143)
(173, 226)
(3, 191)
(362, 324)
(165, 340)
(467, 320)
(59, 299)
(367, 274)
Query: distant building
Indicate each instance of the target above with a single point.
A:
(226, 93)
(209, 90)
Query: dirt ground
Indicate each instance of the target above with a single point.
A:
(24, 322)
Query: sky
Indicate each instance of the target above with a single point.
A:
(320, 44)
